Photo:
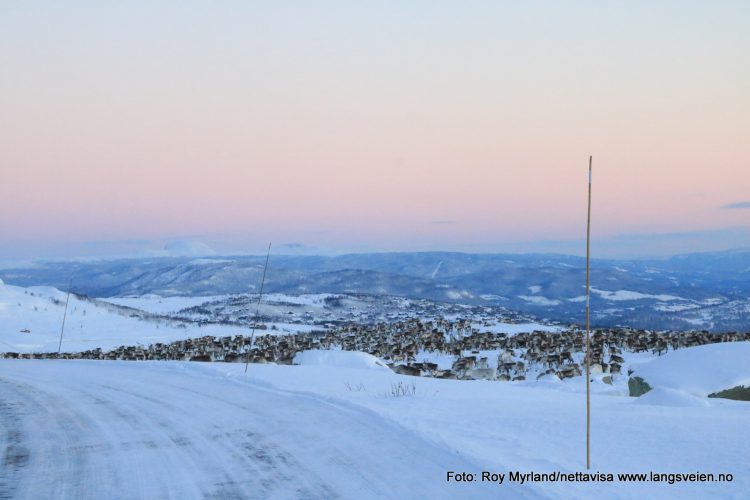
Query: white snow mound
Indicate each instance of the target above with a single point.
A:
(700, 370)
(344, 359)
(662, 396)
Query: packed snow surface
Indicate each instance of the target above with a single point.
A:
(92, 430)
(116, 429)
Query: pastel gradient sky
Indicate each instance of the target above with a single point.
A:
(373, 125)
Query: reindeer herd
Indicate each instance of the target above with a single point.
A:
(408, 345)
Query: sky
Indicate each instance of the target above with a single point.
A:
(373, 126)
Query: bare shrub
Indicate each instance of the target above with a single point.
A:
(401, 389)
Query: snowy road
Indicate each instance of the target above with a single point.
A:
(86, 429)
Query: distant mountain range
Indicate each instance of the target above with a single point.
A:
(695, 291)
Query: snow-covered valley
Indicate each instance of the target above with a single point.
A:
(341, 424)
(702, 291)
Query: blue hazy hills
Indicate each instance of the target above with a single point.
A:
(694, 291)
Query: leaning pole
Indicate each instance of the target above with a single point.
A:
(257, 309)
(65, 314)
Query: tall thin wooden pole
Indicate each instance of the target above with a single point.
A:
(588, 328)
(65, 314)
(257, 309)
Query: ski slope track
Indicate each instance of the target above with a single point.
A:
(90, 429)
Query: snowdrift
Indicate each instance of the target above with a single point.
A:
(342, 359)
(698, 371)
(663, 396)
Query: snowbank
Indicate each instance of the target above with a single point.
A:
(343, 359)
(537, 426)
(700, 370)
(515, 328)
(662, 396)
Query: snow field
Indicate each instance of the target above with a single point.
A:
(31, 319)
(126, 424)
(541, 427)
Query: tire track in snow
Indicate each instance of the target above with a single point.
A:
(29, 452)
(14, 456)
(168, 430)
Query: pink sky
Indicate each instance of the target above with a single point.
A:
(383, 127)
